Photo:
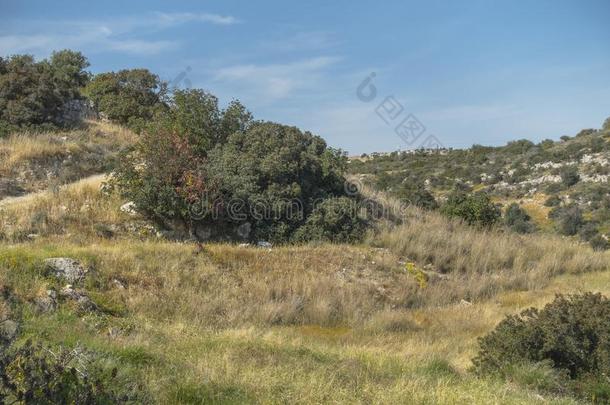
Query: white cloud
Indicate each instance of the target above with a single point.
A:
(11, 44)
(115, 34)
(182, 18)
(139, 47)
(300, 41)
(275, 81)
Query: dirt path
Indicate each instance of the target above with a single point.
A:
(96, 178)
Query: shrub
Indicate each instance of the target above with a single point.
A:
(588, 231)
(474, 209)
(553, 188)
(569, 176)
(333, 219)
(34, 374)
(162, 175)
(517, 219)
(553, 201)
(279, 169)
(416, 194)
(599, 243)
(35, 93)
(216, 174)
(569, 219)
(128, 97)
(572, 334)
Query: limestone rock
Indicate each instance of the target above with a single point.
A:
(67, 269)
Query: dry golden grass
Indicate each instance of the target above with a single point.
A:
(295, 324)
(247, 325)
(40, 160)
(78, 212)
(479, 263)
(20, 148)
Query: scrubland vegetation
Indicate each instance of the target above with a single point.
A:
(550, 187)
(173, 307)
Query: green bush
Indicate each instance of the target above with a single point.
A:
(588, 231)
(279, 169)
(569, 176)
(553, 201)
(334, 219)
(569, 219)
(33, 374)
(128, 97)
(416, 194)
(517, 219)
(571, 334)
(34, 94)
(474, 209)
(216, 174)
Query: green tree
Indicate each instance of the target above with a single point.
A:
(278, 166)
(474, 209)
(334, 219)
(195, 114)
(35, 93)
(128, 97)
(212, 169)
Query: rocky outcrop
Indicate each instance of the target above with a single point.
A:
(75, 111)
(79, 297)
(66, 269)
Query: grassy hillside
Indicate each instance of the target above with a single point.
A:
(392, 320)
(31, 162)
(538, 177)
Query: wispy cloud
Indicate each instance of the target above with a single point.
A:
(302, 41)
(116, 34)
(182, 18)
(275, 81)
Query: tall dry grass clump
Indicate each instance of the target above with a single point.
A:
(474, 262)
(22, 147)
(34, 161)
(79, 211)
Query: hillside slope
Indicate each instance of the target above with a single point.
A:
(539, 177)
(392, 320)
(31, 162)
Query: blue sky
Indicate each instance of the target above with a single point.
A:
(471, 72)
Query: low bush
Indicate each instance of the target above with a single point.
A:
(334, 219)
(517, 219)
(569, 219)
(552, 201)
(599, 243)
(474, 209)
(569, 176)
(34, 374)
(416, 194)
(571, 334)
